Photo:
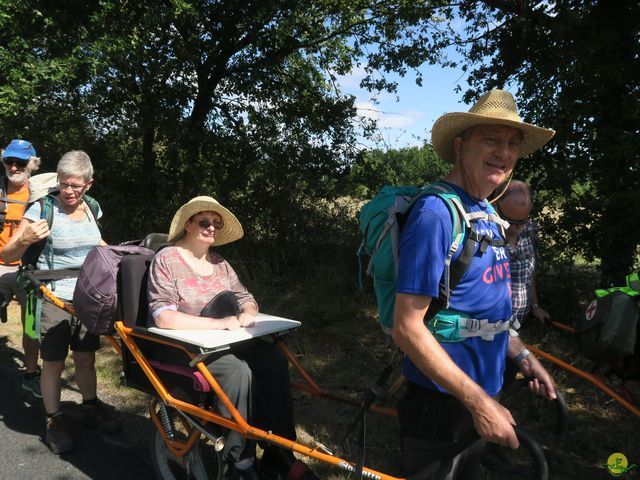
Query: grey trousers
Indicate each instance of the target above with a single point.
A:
(255, 377)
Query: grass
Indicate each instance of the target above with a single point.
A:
(341, 345)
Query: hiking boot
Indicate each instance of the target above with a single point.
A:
(58, 435)
(101, 417)
(31, 383)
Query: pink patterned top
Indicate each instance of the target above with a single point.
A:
(174, 285)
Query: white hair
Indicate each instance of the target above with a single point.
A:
(75, 163)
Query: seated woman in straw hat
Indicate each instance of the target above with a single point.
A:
(183, 278)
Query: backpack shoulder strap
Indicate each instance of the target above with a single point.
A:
(93, 205)
(3, 200)
(46, 209)
(31, 254)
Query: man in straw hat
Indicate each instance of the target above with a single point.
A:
(453, 383)
(19, 159)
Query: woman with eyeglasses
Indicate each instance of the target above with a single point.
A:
(183, 278)
(73, 232)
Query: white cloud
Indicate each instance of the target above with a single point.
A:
(352, 80)
(389, 119)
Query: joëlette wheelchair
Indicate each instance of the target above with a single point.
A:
(189, 433)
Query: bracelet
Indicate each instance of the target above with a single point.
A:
(521, 356)
(534, 306)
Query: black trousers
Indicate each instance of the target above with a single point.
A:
(430, 423)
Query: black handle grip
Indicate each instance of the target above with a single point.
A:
(526, 441)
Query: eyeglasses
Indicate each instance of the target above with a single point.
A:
(511, 220)
(18, 162)
(204, 224)
(76, 188)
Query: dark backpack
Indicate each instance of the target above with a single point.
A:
(95, 297)
(609, 327)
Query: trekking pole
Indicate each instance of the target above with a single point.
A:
(376, 391)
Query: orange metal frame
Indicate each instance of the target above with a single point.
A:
(589, 377)
(180, 447)
(237, 422)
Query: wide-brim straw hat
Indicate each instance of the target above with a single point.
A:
(230, 232)
(496, 107)
(41, 185)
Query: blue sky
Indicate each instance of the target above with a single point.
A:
(405, 119)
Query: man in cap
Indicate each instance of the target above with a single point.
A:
(453, 382)
(20, 161)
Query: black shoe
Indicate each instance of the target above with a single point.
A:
(58, 435)
(101, 417)
(31, 383)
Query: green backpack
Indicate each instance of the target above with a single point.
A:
(381, 222)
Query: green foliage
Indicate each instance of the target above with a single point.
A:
(406, 166)
(237, 99)
(575, 65)
(174, 99)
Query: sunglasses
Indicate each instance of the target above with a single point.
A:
(204, 224)
(15, 161)
(511, 221)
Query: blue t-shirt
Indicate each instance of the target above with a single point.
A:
(71, 240)
(484, 291)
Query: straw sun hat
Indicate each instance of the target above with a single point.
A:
(231, 231)
(496, 107)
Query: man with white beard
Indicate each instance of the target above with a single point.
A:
(19, 159)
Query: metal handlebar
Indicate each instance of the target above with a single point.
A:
(562, 419)
(471, 437)
(45, 292)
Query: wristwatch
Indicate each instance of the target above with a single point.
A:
(521, 356)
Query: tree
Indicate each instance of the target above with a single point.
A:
(576, 68)
(231, 97)
(406, 166)
(238, 99)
